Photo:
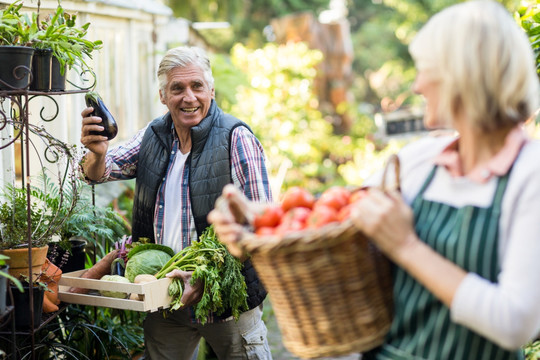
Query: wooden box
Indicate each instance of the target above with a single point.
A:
(153, 295)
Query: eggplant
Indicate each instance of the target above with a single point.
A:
(110, 130)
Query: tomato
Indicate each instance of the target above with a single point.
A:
(357, 195)
(297, 197)
(270, 216)
(265, 230)
(293, 220)
(345, 212)
(321, 215)
(335, 197)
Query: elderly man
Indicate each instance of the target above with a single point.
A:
(181, 161)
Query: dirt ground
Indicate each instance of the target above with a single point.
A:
(279, 352)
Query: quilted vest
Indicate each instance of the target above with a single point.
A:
(209, 171)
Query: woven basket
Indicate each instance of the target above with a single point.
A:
(330, 288)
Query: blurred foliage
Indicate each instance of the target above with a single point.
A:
(279, 104)
(529, 16)
(386, 27)
(248, 19)
(532, 350)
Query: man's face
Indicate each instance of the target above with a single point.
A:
(187, 96)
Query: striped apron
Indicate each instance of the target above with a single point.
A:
(467, 236)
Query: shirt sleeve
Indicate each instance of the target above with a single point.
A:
(248, 165)
(120, 161)
(507, 311)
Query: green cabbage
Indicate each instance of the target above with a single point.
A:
(114, 294)
(148, 261)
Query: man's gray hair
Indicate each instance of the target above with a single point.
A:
(183, 56)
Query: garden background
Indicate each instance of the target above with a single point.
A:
(275, 86)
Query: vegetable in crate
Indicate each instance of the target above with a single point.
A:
(146, 259)
(114, 294)
(211, 263)
(101, 268)
(110, 128)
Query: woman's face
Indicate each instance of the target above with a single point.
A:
(427, 87)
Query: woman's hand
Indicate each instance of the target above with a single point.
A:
(232, 211)
(387, 220)
(228, 231)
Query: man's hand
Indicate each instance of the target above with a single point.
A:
(192, 293)
(95, 143)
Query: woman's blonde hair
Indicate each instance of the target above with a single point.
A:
(483, 62)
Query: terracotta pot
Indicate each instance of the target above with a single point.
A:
(18, 261)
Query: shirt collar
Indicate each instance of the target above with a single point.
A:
(499, 164)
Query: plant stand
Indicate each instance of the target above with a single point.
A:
(18, 117)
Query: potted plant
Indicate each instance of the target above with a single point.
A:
(16, 35)
(59, 36)
(45, 222)
(86, 223)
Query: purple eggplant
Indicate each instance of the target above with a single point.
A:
(110, 130)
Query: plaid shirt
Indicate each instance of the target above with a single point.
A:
(248, 171)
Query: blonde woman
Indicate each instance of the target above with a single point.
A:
(464, 234)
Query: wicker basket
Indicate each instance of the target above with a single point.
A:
(330, 288)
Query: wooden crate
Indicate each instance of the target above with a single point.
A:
(154, 294)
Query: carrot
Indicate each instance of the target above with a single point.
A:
(50, 275)
(48, 306)
(101, 268)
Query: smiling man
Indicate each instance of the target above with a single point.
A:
(181, 161)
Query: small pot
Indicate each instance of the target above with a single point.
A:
(3, 289)
(15, 67)
(22, 306)
(18, 261)
(69, 261)
(41, 70)
(58, 80)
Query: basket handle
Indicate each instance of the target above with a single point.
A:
(391, 162)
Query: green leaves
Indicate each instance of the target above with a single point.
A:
(220, 272)
(529, 17)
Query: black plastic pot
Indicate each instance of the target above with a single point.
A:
(15, 67)
(68, 261)
(3, 289)
(58, 80)
(22, 306)
(41, 70)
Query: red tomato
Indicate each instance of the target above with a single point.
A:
(321, 215)
(265, 230)
(293, 220)
(270, 217)
(357, 195)
(335, 197)
(297, 197)
(344, 213)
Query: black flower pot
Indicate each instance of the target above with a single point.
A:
(15, 67)
(58, 80)
(22, 306)
(41, 70)
(68, 260)
(3, 289)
